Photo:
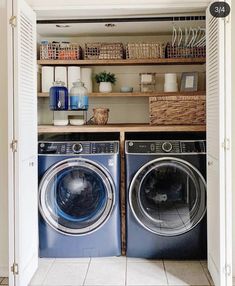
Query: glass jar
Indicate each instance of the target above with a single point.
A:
(58, 96)
(78, 96)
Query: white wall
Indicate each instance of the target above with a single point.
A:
(3, 142)
(233, 130)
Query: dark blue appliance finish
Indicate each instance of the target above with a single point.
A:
(79, 199)
(166, 199)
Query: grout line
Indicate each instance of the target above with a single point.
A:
(164, 266)
(49, 268)
(87, 272)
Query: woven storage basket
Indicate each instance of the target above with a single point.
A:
(145, 50)
(182, 52)
(104, 51)
(60, 51)
(177, 110)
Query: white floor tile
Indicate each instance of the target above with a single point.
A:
(106, 273)
(185, 273)
(141, 260)
(66, 274)
(43, 267)
(150, 273)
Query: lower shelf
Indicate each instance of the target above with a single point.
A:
(120, 128)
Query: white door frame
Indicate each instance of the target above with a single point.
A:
(171, 3)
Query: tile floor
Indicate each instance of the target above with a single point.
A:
(120, 271)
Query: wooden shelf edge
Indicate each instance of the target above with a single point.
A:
(120, 128)
(134, 94)
(162, 61)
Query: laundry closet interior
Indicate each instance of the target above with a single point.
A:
(127, 187)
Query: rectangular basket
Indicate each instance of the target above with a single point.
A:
(177, 110)
(182, 52)
(60, 51)
(104, 51)
(145, 50)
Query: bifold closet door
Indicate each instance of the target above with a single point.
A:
(219, 243)
(25, 157)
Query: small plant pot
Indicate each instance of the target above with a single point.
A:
(101, 115)
(105, 87)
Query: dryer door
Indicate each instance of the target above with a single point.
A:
(76, 196)
(168, 196)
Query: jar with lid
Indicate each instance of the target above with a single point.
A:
(78, 96)
(58, 96)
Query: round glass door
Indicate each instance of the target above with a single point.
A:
(168, 196)
(76, 197)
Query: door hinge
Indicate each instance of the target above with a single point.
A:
(14, 145)
(226, 144)
(13, 21)
(227, 270)
(15, 269)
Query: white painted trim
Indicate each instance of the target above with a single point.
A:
(11, 202)
(228, 154)
(154, 4)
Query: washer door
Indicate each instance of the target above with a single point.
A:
(168, 196)
(76, 196)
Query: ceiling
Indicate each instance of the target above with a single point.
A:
(120, 28)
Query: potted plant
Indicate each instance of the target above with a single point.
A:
(105, 81)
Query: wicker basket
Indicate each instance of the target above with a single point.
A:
(60, 51)
(182, 52)
(177, 110)
(104, 51)
(145, 50)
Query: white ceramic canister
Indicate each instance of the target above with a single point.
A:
(170, 78)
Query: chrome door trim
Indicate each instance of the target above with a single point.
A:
(132, 186)
(106, 179)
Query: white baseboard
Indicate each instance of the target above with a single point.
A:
(3, 271)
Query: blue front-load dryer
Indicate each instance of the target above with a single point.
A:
(79, 199)
(166, 199)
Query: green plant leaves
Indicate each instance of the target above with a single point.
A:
(105, 77)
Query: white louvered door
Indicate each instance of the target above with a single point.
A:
(25, 132)
(217, 186)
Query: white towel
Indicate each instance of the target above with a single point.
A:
(47, 78)
(73, 75)
(61, 75)
(86, 78)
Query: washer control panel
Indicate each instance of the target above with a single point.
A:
(168, 146)
(77, 148)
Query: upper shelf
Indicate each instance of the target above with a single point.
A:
(164, 61)
(133, 94)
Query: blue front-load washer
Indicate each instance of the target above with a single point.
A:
(79, 199)
(166, 199)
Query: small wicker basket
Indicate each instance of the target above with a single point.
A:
(177, 110)
(60, 51)
(182, 52)
(104, 51)
(145, 50)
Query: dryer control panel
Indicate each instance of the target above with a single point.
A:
(77, 148)
(168, 146)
